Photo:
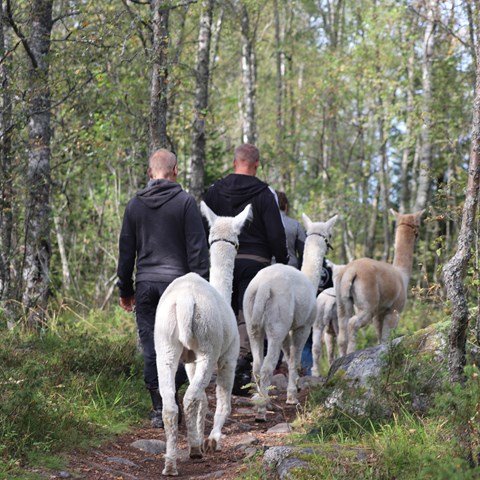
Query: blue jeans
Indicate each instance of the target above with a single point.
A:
(307, 358)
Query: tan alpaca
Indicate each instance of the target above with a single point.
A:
(373, 291)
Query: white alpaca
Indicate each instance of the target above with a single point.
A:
(372, 291)
(325, 326)
(279, 304)
(196, 316)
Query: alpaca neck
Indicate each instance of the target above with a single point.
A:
(404, 246)
(313, 260)
(221, 271)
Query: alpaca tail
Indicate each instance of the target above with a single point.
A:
(255, 305)
(344, 290)
(185, 312)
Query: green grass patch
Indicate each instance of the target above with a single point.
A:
(64, 389)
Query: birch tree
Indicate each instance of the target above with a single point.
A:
(424, 175)
(454, 272)
(201, 101)
(37, 248)
(249, 77)
(159, 76)
(6, 192)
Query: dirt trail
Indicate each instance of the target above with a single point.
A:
(118, 460)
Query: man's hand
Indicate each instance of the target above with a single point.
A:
(127, 303)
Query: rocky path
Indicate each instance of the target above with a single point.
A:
(138, 455)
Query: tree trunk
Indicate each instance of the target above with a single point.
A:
(407, 149)
(159, 77)
(6, 193)
(249, 74)
(424, 174)
(454, 271)
(37, 180)
(201, 101)
(280, 64)
(63, 254)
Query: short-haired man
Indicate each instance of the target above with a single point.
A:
(259, 241)
(163, 238)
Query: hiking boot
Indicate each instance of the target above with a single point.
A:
(241, 379)
(243, 376)
(156, 419)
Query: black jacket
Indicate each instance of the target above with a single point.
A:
(163, 232)
(265, 234)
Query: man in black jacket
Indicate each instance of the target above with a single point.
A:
(162, 238)
(260, 240)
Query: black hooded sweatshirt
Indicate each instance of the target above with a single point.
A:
(163, 231)
(264, 236)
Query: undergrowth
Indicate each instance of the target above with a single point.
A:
(67, 388)
(415, 425)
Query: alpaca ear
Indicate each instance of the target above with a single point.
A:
(306, 221)
(207, 213)
(240, 219)
(419, 215)
(394, 213)
(331, 222)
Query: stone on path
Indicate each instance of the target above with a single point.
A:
(153, 447)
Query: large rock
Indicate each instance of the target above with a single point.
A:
(357, 378)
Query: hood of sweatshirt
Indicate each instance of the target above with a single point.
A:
(158, 192)
(237, 190)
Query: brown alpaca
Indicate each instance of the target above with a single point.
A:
(373, 291)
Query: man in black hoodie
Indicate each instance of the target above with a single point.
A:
(260, 240)
(163, 238)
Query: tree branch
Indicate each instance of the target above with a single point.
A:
(20, 35)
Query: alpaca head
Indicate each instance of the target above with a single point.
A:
(225, 228)
(322, 229)
(410, 220)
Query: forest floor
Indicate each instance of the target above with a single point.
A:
(119, 460)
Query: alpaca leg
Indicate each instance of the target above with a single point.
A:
(358, 321)
(168, 367)
(194, 403)
(331, 333)
(316, 348)
(344, 313)
(298, 340)
(261, 399)
(257, 348)
(390, 321)
(225, 377)
(329, 339)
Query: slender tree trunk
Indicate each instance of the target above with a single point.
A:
(280, 64)
(249, 74)
(37, 211)
(6, 179)
(407, 149)
(454, 271)
(424, 175)
(201, 101)
(369, 248)
(216, 34)
(159, 76)
(63, 254)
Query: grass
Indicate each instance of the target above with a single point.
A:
(439, 442)
(80, 383)
(70, 387)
